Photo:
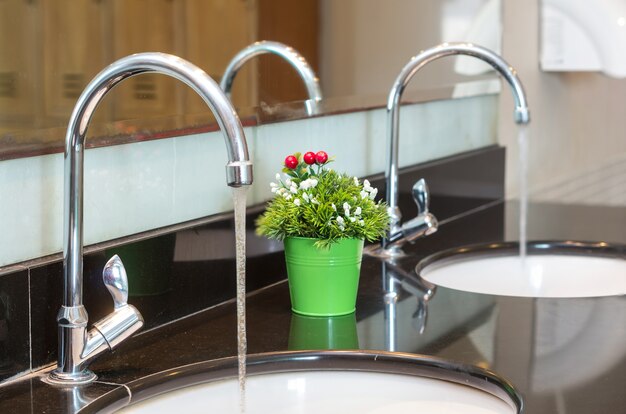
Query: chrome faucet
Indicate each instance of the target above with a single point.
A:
(425, 223)
(295, 59)
(77, 346)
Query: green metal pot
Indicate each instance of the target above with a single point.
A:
(323, 282)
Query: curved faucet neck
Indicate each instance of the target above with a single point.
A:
(239, 168)
(292, 56)
(521, 112)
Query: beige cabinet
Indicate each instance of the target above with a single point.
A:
(18, 74)
(144, 26)
(74, 51)
(51, 49)
(295, 23)
(214, 31)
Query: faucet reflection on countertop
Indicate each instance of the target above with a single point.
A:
(394, 278)
(77, 346)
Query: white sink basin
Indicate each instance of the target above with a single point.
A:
(327, 392)
(556, 270)
(333, 382)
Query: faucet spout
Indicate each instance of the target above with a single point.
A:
(521, 115)
(77, 347)
(295, 59)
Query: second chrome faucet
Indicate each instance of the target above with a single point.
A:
(78, 347)
(425, 223)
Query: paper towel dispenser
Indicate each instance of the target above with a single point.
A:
(583, 35)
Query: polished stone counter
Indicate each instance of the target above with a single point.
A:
(562, 355)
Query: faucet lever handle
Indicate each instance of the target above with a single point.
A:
(114, 278)
(421, 196)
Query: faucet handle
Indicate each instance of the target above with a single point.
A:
(421, 196)
(114, 278)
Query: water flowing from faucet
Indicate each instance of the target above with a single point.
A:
(239, 201)
(522, 141)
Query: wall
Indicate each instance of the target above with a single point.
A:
(577, 145)
(365, 43)
(141, 186)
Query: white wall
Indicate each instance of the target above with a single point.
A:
(578, 122)
(365, 43)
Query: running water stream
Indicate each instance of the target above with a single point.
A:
(239, 200)
(522, 140)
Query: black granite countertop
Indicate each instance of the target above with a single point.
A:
(562, 355)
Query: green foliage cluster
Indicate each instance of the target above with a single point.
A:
(316, 202)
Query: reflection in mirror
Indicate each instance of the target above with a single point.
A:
(49, 50)
(290, 55)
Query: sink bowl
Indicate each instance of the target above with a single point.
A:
(325, 382)
(551, 269)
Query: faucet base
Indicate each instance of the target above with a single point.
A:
(57, 377)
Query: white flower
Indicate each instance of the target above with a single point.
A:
(273, 185)
(305, 196)
(333, 206)
(288, 182)
(346, 209)
(367, 188)
(361, 222)
(274, 190)
(357, 212)
(293, 189)
(277, 177)
(364, 194)
(297, 202)
(287, 196)
(356, 181)
(314, 200)
(308, 183)
(340, 223)
(352, 219)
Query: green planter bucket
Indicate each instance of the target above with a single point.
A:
(323, 282)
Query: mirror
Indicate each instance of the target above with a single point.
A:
(49, 50)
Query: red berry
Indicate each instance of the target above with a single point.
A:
(291, 162)
(309, 157)
(321, 157)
